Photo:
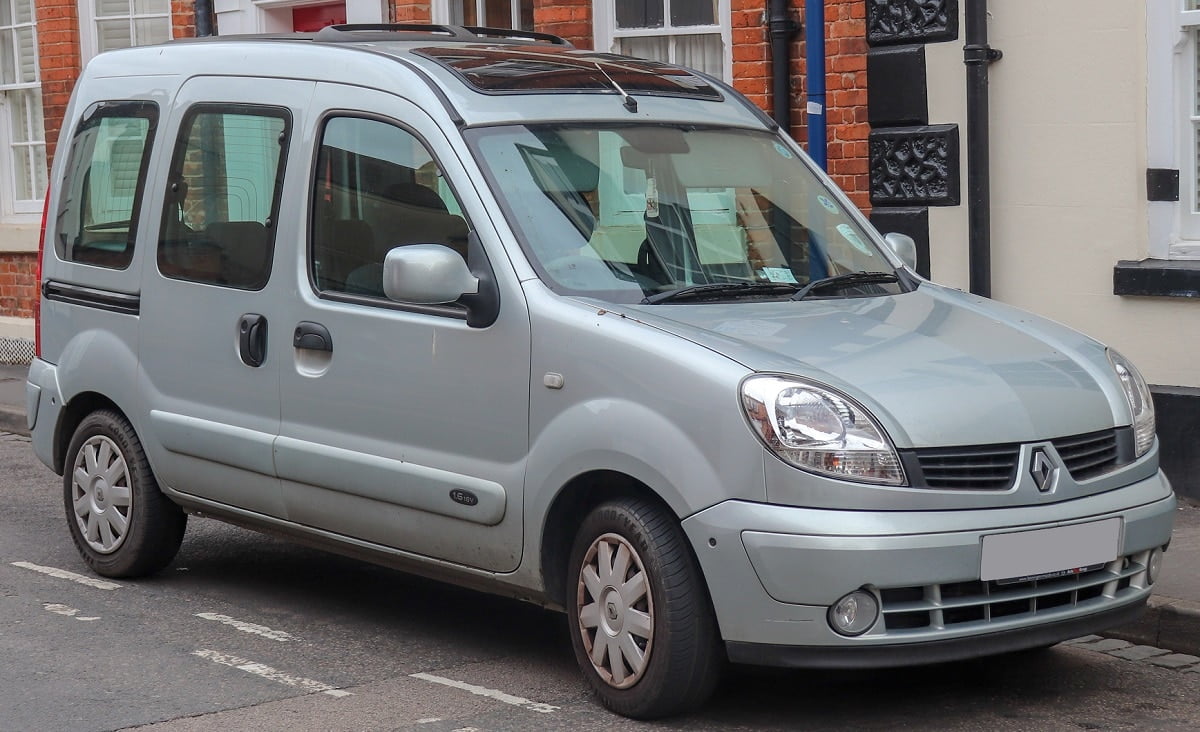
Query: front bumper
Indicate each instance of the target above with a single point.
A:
(773, 572)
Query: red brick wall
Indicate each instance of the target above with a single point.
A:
(846, 97)
(58, 58)
(570, 19)
(411, 11)
(18, 284)
(183, 19)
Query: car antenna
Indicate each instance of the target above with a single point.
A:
(629, 102)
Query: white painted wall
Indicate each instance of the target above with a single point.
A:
(1069, 157)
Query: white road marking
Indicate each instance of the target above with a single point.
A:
(269, 673)
(99, 584)
(428, 720)
(516, 701)
(69, 612)
(253, 628)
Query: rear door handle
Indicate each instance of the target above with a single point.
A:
(252, 339)
(312, 336)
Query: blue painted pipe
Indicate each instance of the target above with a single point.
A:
(814, 45)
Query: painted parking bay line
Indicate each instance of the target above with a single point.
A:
(252, 628)
(516, 701)
(271, 674)
(66, 611)
(99, 584)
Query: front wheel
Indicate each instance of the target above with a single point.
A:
(640, 619)
(120, 521)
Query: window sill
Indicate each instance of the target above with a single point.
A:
(1157, 278)
(19, 237)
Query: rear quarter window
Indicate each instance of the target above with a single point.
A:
(101, 193)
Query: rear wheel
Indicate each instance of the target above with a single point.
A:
(641, 623)
(120, 521)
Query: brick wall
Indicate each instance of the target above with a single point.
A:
(183, 19)
(18, 284)
(58, 58)
(411, 11)
(570, 19)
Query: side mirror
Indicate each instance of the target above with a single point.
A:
(426, 274)
(904, 247)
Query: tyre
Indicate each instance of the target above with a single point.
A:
(640, 619)
(120, 521)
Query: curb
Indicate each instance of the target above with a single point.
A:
(1167, 623)
(13, 420)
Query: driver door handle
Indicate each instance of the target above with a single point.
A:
(252, 339)
(312, 336)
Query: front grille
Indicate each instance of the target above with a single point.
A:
(1087, 456)
(992, 467)
(965, 604)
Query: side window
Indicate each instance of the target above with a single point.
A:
(218, 224)
(377, 187)
(102, 188)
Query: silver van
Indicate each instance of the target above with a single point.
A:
(580, 329)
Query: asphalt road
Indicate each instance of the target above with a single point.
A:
(245, 632)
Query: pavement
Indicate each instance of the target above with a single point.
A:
(1171, 620)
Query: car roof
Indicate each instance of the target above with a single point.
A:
(471, 72)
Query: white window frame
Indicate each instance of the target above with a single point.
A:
(606, 33)
(11, 209)
(89, 37)
(441, 12)
(1173, 125)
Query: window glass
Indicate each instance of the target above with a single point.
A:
(640, 211)
(639, 13)
(666, 30)
(125, 23)
(22, 129)
(101, 190)
(377, 187)
(218, 223)
(694, 12)
(493, 13)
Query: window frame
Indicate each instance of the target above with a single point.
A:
(1173, 126)
(442, 14)
(11, 207)
(89, 35)
(456, 310)
(179, 147)
(606, 33)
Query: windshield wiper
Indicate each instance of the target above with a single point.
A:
(846, 279)
(722, 289)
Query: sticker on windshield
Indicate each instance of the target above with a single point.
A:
(782, 150)
(849, 234)
(779, 274)
(827, 204)
(651, 198)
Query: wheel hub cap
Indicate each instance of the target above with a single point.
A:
(101, 494)
(616, 611)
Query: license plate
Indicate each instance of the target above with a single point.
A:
(1046, 553)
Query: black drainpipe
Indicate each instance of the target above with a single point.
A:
(978, 55)
(204, 19)
(782, 29)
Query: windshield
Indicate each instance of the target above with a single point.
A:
(642, 213)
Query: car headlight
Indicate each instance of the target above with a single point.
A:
(1141, 404)
(817, 429)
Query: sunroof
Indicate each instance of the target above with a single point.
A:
(538, 69)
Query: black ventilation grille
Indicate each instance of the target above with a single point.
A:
(991, 467)
(1088, 456)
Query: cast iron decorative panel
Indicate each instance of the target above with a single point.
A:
(911, 21)
(914, 165)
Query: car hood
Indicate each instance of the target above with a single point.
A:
(937, 366)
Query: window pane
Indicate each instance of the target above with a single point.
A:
(499, 14)
(462, 12)
(112, 7)
(700, 52)
(113, 34)
(24, 11)
(377, 188)
(19, 115)
(27, 55)
(98, 210)
(151, 7)
(6, 11)
(639, 13)
(526, 15)
(694, 12)
(148, 31)
(218, 223)
(8, 67)
(655, 48)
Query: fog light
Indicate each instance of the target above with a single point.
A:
(1153, 565)
(855, 613)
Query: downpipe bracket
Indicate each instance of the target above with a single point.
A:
(981, 54)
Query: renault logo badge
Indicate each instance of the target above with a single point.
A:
(1044, 471)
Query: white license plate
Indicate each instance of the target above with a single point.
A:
(1045, 553)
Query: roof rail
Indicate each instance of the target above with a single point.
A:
(351, 33)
